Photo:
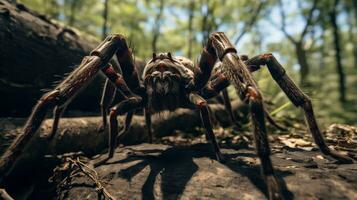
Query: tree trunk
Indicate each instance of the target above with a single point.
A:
(81, 134)
(52, 9)
(72, 14)
(190, 29)
(105, 19)
(337, 45)
(157, 26)
(355, 9)
(302, 60)
(208, 24)
(33, 50)
(351, 33)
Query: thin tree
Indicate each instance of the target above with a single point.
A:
(208, 18)
(250, 23)
(336, 42)
(355, 8)
(157, 26)
(73, 5)
(191, 9)
(351, 34)
(105, 19)
(298, 42)
(52, 8)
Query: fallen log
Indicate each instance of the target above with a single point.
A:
(81, 134)
(34, 50)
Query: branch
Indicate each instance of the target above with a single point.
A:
(252, 21)
(283, 23)
(308, 20)
(93, 175)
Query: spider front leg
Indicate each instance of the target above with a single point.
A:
(262, 143)
(60, 96)
(238, 74)
(201, 104)
(57, 113)
(299, 99)
(108, 95)
(228, 105)
(128, 105)
(148, 123)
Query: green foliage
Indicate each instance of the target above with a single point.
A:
(136, 18)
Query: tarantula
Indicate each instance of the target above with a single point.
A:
(170, 82)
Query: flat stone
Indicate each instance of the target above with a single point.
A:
(154, 171)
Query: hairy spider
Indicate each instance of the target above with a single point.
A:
(171, 82)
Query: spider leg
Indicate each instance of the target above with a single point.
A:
(57, 113)
(252, 68)
(220, 82)
(127, 125)
(11, 155)
(299, 99)
(217, 83)
(147, 114)
(228, 105)
(129, 70)
(205, 66)
(239, 75)
(201, 104)
(130, 104)
(262, 143)
(60, 96)
(108, 95)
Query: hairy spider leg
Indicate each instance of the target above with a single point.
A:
(60, 96)
(238, 74)
(299, 99)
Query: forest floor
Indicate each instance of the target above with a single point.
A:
(182, 166)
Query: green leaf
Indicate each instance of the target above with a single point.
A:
(281, 108)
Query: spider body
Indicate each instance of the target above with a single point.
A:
(165, 79)
(168, 83)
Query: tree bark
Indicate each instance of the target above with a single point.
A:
(33, 50)
(337, 45)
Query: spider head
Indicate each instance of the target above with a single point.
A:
(163, 79)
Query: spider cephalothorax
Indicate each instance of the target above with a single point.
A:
(171, 82)
(165, 78)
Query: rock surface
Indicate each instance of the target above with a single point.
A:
(153, 171)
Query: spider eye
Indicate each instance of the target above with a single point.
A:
(153, 56)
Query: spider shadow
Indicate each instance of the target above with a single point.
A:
(253, 173)
(176, 167)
